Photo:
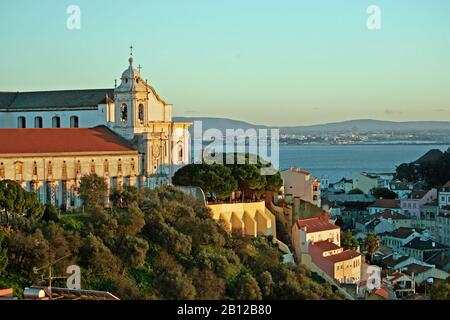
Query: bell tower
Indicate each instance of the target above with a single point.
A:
(131, 102)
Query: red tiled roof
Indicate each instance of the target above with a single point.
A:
(325, 245)
(316, 224)
(416, 268)
(401, 233)
(343, 256)
(386, 203)
(382, 293)
(62, 140)
(388, 214)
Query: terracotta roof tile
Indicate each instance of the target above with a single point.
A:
(316, 224)
(386, 203)
(59, 141)
(343, 256)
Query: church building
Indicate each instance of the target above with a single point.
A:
(50, 139)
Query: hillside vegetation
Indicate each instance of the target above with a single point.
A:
(158, 244)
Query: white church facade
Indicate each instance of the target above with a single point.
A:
(50, 139)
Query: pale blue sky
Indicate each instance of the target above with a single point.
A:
(285, 62)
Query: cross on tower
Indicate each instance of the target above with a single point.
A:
(131, 50)
(139, 67)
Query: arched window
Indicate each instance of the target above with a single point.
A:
(64, 171)
(123, 112)
(106, 166)
(38, 122)
(50, 168)
(141, 113)
(92, 167)
(21, 122)
(35, 169)
(180, 153)
(18, 166)
(56, 122)
(78, 168)
(132, 166)
(74, 122)
(119, 167)
(2, 171)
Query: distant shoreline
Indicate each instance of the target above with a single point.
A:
(368, 144)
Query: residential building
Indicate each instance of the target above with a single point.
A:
(401, 188)
(402, 284)
(299, 183)
(421, 274)
(385, 221)
(319, 239)
(444, 196)
(412, 205)
(381, 205)
(397, 261)
(425, 249)
(396, 239)
(366, 181)
(443, 221)
(344, 184)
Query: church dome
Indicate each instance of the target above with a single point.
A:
(130, 72)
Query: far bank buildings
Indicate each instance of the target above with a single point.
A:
(50, 139)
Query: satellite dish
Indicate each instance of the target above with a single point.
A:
(430, 280)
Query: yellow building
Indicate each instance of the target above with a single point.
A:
(50, 139)
(51, 162)
(319, 240)
(250, 218)
(299, 183)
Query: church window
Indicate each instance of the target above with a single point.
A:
(21, 122)
(92, 167)
(64, 171)
(38, 123)
(78, 167)
(35, 170)
(123, 113)
(132, 166)
(74, 122)
(2, 171)
(141, 113)
(50, 168)
(56, 122)
(19, 170)
(106, 166)
(119, 167)
(180, 153)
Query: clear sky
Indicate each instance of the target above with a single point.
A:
(285, 62)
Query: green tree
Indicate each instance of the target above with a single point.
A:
(50, 213)
(265, 282)
(3, 253)
(126, 196)
(348, 242)
(247, 288)
(16, 202)
(440, 290)
(383, 193)
(92, 191)
(371, 244)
